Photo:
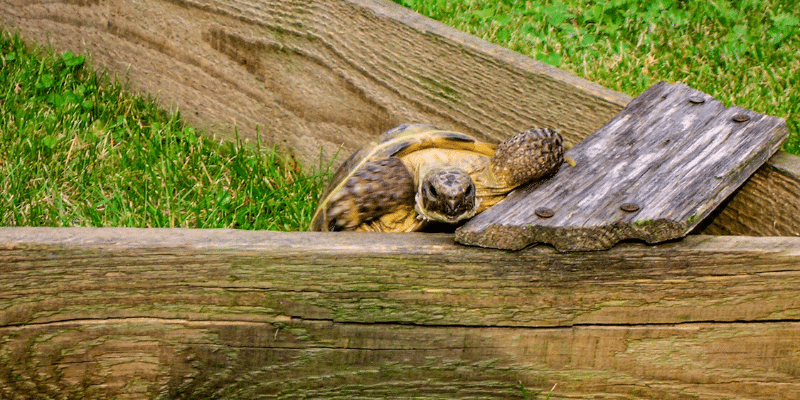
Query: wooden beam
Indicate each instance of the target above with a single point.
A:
(654, 172)
(91, 313)
(318, 75)
(767, 205)
(324, 77)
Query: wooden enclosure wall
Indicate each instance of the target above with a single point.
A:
(172, 314)
(316, 74)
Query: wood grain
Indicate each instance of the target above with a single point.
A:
(128, 313)
(767, 204)
(322, 78)
(316, 77)
(653, 173)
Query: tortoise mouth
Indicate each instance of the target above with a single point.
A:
(445, 194)
(449, 218)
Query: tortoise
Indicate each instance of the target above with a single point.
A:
(416, 174)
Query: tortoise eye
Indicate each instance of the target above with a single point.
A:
(469, 191)
(433, 194)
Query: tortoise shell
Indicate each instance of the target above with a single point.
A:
(414, 174)
(407, 142)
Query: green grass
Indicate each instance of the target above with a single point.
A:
(741, 52)
(77, 149)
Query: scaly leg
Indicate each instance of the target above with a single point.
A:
(534, 154)
(377, 188)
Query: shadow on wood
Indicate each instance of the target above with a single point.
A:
(91, 313)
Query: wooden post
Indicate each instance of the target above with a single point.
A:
(160, 313)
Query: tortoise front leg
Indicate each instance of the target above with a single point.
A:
(379, 187)
(534, 154)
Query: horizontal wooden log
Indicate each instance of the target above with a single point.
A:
(767, 204)
(355, 68)
(654, 172)
(96, 313)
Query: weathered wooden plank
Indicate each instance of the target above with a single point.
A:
(653, 172)
(97, 313)
(356, 67)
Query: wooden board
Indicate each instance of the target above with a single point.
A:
(653, 173)
(355, 67)
(128, 313)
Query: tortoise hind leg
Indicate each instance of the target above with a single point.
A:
(377, 188)
(534, 154)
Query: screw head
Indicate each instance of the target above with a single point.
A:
(544, 212)
(740, 118)
(629, 207)
(696, 100)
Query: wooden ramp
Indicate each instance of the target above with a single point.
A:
(653, 172)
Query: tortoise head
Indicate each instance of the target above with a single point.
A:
(446, 194)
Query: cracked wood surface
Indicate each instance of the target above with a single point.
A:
(326, 77)
(131, 313)
(654, 172)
